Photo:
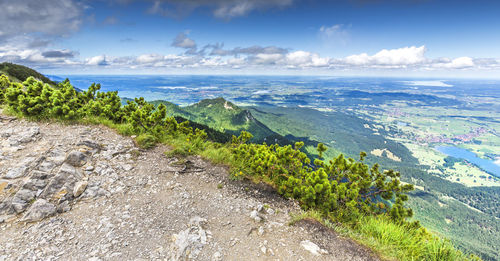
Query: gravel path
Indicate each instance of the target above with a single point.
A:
(86, 193)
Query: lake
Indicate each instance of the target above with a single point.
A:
(486, 165)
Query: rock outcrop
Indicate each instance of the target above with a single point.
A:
(45, 172)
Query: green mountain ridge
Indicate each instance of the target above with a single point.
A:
(19, 73)
(225, 117)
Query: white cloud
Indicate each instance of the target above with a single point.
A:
(229, 9)
(428, 83)
(150, 58)
(330, 30)
(395, 57)
(32, 57)
(28, 27)
(457, 63)
(234, 9)
(217, 49)
(212, 62)
(300, 59)
(236, 62)
(97, 61)
(267, 59)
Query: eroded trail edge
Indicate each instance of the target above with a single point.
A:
(84, 192)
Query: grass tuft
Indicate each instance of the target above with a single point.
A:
(390, 240)
(146, 140)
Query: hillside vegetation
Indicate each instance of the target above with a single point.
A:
(437, 200)
(366, 201)
(19, 73)
(224, 116)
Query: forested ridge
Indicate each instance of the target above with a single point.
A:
(21, 73)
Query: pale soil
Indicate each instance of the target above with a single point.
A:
(138, 206)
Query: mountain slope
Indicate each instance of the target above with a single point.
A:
(20, 73)
(225, 117)
(437, 201)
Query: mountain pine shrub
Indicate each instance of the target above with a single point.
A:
(344, 188)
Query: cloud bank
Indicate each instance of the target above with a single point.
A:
(46, 17)
(215, 56)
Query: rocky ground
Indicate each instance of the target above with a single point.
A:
(86, 193)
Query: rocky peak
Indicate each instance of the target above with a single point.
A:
(217, 102)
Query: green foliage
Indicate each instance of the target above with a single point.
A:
(244, 137)
(321, 149)
(344, 132)
(344, 188)
(4, 84)
(37, 100)
(12, 93)
(406, 242)
(392, 241)
(449, 162)
(213, 135)
(102, 104)
(64, 102)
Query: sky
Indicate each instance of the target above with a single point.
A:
(410, 38)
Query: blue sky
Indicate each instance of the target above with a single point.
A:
(428, 38)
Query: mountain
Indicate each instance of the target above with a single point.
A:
(20, 73)
(182, 116)
(224, 116)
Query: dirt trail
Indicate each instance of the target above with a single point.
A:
(86, 193)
